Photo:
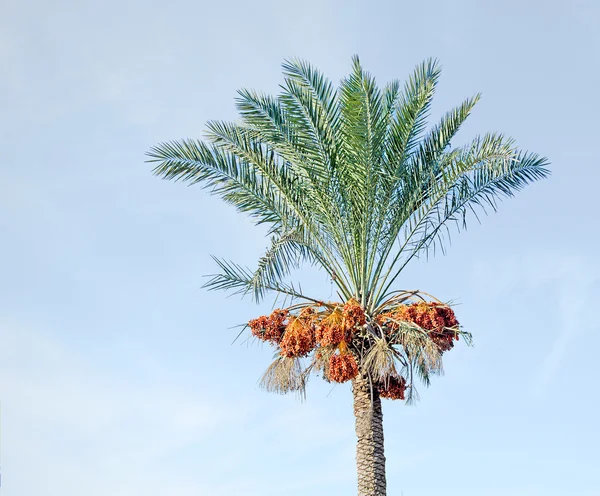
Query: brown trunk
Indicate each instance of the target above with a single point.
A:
(370, 460)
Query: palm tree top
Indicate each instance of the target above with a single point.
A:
(349, 178)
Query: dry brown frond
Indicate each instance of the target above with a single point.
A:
(418, 346)
(380, 361)
(284, 375)
(431, 358)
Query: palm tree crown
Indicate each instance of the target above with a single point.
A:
(351, 180)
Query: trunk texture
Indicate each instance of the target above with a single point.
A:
(370, 459)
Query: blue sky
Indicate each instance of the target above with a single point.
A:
(117, 372)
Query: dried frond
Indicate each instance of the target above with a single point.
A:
(426, 361)
(407, 334)
(380, 361)
(320, 363)
(418, 348)
(411, 394)
(284, 375)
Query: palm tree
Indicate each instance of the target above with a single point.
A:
(351, 180)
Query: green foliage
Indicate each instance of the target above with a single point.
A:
(349, 178)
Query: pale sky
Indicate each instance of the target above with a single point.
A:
(117, 372)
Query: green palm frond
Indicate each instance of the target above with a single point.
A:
(241, 280)
(311, 103)
(228, 176)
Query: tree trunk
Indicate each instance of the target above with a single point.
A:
(370, 459)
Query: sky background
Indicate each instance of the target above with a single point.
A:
(117, 371)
